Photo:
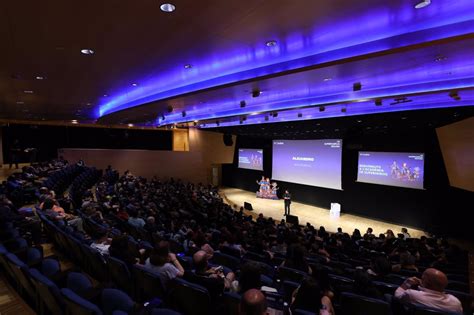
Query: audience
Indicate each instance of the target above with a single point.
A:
(150, 219)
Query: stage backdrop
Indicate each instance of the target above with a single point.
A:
(438, 208)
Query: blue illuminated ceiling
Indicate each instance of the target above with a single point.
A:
(391, 50)
(201, 61)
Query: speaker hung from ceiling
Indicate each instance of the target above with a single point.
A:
(227, 137)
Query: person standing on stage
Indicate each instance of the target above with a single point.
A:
(287, 198)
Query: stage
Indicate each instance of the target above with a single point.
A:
(314, 215)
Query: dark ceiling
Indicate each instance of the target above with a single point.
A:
(201, 61)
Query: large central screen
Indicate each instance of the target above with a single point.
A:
(391, 168)
(308, 162)
(251, 159)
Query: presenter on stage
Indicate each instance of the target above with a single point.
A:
(287, 198)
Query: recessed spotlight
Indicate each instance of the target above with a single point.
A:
(20, 102)
(134, 84)
(87, 51)
(105, 95)
(327, 79)
(74, 121)
(167, 7)
(271, 43)
(422, 4)
(28, 91)
(39, 77)
(359, 121)
(188, 66)
(130, 125)
(88, 104)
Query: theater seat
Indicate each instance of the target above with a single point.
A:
(75, 305)
(189, 298)
(116, 300)
(354, 304)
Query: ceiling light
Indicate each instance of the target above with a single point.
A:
(440, 58)
(134, 84)
(87, 51)
(105, 95)
(28, 91)
(39, 78)
(327, 79)
(188, 66)
(167, 7)
(74, 121)
(271, 43)
(20, 102)
(422, 4)
(130, 125)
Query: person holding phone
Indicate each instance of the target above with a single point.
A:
(429, 291)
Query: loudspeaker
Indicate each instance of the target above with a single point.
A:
(248, 206)
(227, 137)
(293, 219)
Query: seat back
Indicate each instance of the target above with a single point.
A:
(19, 270)
(75, 305)
(147, 284)
(418, 309)
(226, 260)
(79, 283)
(360, 305)
(464, 298)
(120, 274)
(116, 300)
(189, 298)
(290, 274)
(48, 293)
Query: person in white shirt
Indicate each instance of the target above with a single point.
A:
(430, 292)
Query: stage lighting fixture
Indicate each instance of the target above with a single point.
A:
(322, 108)
(183, 113)
(275, 114)
(169, 109)
(217, 123)
(244, 118)
(242, 104)
(378, 102)
(300, 115)
(266, 118)
(454, 95)
(357, 86)
(343, 110)
(256, 93)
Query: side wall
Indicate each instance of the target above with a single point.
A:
(205, 150)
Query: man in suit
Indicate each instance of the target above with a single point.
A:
(287, 198)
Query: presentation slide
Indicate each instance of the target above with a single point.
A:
(251, 159)
(308, 162)
(391, 168)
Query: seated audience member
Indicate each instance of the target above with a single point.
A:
(212, 278)
(380, 266)
(134, 220)
(250, 274)
(429, 291)
(150, 225)
(120, 249)
(164, 263)
(363, 285)
(309, 297)
(295, 259)
(253, 302)
(101, 242)
(407, 262)
(369, 233)
(55, 213)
